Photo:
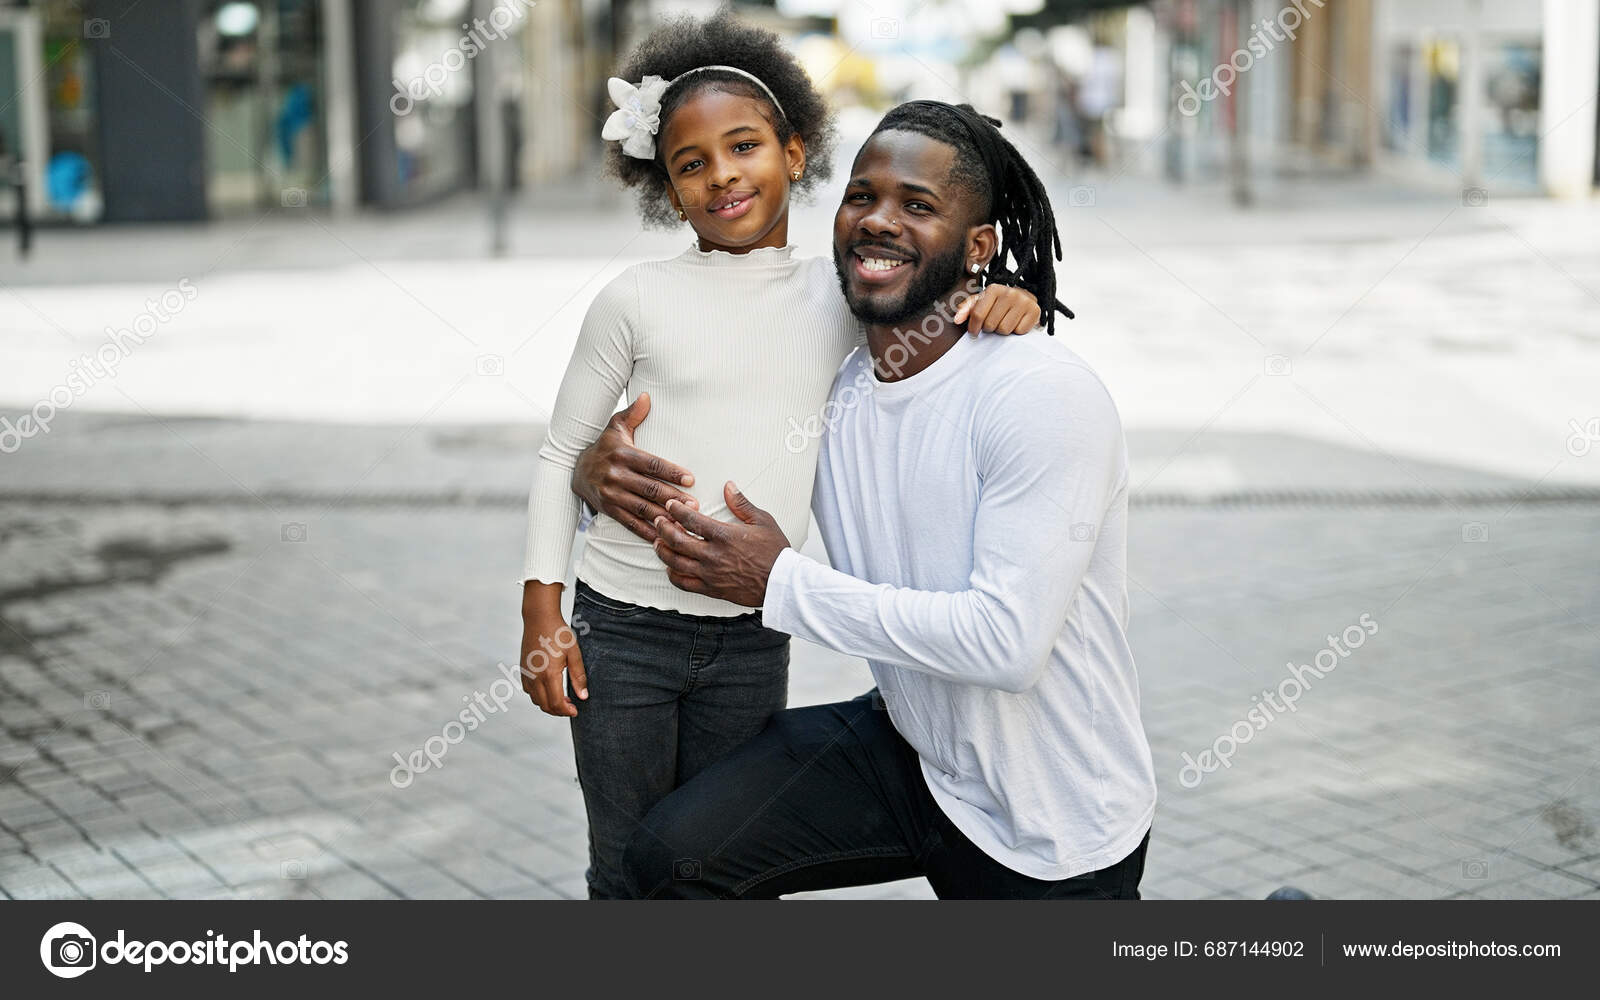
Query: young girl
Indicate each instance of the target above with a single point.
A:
(736, 341)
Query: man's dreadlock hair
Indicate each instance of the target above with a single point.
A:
(680, 44)
(1010, 194)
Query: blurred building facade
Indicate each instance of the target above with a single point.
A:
(1501, 94)
(1473, 93)
(192, 109)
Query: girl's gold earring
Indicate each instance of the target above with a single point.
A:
(681, 215)
(797, 175)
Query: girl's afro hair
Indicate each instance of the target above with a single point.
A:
(684, 43)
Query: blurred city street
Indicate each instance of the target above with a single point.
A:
(280, 546)
(267, 556)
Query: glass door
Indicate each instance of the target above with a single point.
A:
(261, 66)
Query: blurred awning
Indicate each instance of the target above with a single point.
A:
(1054, 12)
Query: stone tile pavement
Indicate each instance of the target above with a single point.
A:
(204, 699)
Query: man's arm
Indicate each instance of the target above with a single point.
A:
(626, 483)
(633, 486)
(1051, 456)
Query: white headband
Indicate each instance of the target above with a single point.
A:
(638, 114)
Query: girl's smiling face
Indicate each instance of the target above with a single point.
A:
(728, 172)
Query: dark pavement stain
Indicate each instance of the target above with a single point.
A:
(122, 560)
(1571, 827)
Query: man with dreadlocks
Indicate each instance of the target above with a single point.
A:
(973, 496)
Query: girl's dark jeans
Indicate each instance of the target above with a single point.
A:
(669, 694)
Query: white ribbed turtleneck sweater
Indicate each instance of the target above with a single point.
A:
(738, 352)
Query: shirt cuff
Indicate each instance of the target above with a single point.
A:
(776, 604)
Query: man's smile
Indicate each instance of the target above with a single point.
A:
(878, 265)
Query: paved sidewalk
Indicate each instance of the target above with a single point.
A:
(203, 698)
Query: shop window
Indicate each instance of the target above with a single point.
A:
(1511, 112)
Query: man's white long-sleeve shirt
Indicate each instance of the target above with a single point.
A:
(976, 514)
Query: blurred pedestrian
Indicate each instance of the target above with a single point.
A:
(1098, 93)
(1068, 132)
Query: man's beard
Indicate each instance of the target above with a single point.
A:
(937, 276)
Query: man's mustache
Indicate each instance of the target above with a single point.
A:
(888, 249)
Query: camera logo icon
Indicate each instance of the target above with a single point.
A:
(1278, 364)
(1475, 868)
(67, 950)
(96, 27)
(294, 198)
(686, 870)
(885, 27)
(1474, 197)
(1080, 196)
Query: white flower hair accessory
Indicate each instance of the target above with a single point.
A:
(638, 116)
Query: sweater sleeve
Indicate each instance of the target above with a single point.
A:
(596, 377)
(1051, 457)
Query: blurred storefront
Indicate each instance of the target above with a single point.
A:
(261, 70)
(1462, 84)
(1285, 84)
(193, 109)
(1469, 93)
(416, 107)
(1498, 94)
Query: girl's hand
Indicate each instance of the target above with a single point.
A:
(549, 650)
(999, 309)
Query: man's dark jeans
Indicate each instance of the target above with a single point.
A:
(825, 797)
(669, 694)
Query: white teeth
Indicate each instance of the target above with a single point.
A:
(731, 204)
(880, 264)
